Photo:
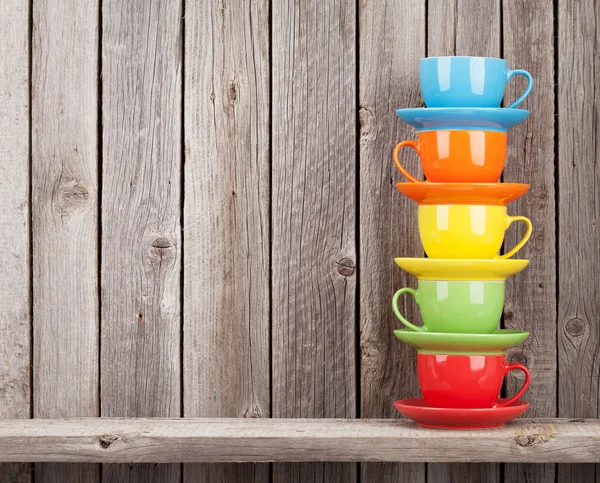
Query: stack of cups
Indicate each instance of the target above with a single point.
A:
(462, 138)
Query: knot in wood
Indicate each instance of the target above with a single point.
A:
(232, 90)
(253, 412)
(366, 120)
(575, 327)
(369, 350)
(526, 440)
(346, 266)
(518, 357)
(162, 249)
(71, 196)
(108, 439)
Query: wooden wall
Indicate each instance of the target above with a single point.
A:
(199, 215)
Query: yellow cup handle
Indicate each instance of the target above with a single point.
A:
(519, 245)
(410, 144)
(399, 315)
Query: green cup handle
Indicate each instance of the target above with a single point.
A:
(518, 246)
(397, 312)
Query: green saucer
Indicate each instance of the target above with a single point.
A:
(466, 344)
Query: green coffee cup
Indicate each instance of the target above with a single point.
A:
(455, 306)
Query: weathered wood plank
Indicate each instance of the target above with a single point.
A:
(141, 233)
(392, 40)
(528, 43)
(455, 28)
(15, 316)
(64, 210)
(313, 218)
(579, 218)
(156, 440)
(226, 220)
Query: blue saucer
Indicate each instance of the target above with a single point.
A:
(463, 118)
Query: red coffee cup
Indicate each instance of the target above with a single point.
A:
(465, 381)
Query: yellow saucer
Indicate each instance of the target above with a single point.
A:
(461, 269)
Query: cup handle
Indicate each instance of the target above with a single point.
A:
(397, 312)
(512, 73)
(507, 369)
(406, 174)
(519, 245)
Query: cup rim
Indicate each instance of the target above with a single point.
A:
(427, 355)
(463, 281)
(461, 57)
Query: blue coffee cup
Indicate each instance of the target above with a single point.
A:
(467, 81)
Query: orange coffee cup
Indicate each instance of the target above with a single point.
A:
(458, 156)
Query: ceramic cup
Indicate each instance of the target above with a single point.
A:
(458, 156)
(455, 306)
(465, 381)
(467, 81)
(467, 231)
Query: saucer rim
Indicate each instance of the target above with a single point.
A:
(490, 190)
(502, 125)
(473, 339)
(462, 265)
(513, 405)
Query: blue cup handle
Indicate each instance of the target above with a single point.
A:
(529, 85)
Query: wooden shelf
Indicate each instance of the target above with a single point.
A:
(262, 440)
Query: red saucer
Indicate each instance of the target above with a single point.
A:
(464, 419)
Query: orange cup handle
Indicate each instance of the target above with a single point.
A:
(406, 174)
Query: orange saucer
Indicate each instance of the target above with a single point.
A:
(428, 193)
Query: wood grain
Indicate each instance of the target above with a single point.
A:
(141, 232)
(531, 295)
(456, 28)
(15, 313)
(579, 217)
(313, 218)
(156, 440)
(461, 472)
(226, 219)
(392, 39)
(64, 217)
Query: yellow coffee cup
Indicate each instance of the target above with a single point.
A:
(467, 231)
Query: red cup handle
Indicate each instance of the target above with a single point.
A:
(411, 144)
(507, 369)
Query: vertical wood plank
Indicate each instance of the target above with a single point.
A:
(313, 217)
(141, 233)
(64, 210)
(456, 28)
(392, 40)
(226, 220)
(528, 43)
(15, 316)
(463, 472)
(579, 218)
